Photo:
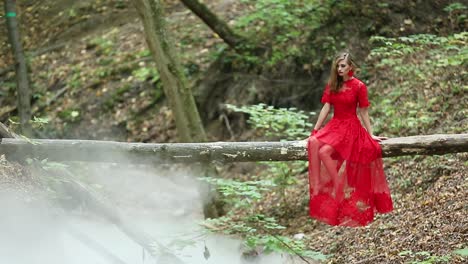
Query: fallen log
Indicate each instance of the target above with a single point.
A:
(120, 152)
(5, 132)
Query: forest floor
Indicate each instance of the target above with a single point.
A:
(430, 219)
(428, 223)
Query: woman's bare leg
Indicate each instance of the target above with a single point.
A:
(314, 164)
(325, 153)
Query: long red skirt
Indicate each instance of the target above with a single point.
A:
(358, 162)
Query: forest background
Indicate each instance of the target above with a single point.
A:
(92, 77)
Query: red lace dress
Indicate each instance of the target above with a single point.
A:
(358, 161)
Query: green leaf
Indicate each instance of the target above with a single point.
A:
(462, 252)
(316, 255)
(405, 253)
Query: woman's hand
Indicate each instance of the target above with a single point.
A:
(378, 139)
(312, 133)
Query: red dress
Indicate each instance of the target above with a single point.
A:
(358, 159)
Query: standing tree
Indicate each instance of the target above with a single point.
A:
(217, 25)
(188, 121)
(22, 82)
(179, 94)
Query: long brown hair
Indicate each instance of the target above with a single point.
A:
(335, 82)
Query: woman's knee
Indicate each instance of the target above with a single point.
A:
(314, 142)
(326, 151)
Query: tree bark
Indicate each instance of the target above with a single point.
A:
(223, 152)
(22, 82)
(186, 115)
(5, 132)
(179, 94)
(217, 25)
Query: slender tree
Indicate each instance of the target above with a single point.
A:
(188, 121)
(179, 94)
(215, 23)
(22, 82)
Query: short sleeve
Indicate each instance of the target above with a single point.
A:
(326, 95)
(362, 96)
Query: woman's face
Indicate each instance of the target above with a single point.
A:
(342, 68)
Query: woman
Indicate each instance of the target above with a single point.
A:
(346, 178)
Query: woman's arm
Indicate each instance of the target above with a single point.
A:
(364, 114)
(322, 116)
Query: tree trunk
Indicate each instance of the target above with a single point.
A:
(22, 82)
(216, 24)
(188, 122)
(106, 151)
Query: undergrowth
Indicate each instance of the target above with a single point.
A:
(418, 85)
(257, 229)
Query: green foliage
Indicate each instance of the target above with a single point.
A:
(50, 181)
(271, 243)
(259, 229)
(282, 25)
(240, 194)
(457, 13)
(39, 122)
(424, 257)
(274, 123)
(447, 51)
(46, 164)
(104, 46)
(289, 124)
(105, 61)
(143, 53)
(117, 96)
(462, 252)
(191, 68)
(72, 13)
(120, 4)
(36, 122)
(9, 86)
(325, 47)
(74, 80)
(70, 115)
(424, 60)
(249, 225)
(282, 123)
(283, 174)
(146, 73)
(102, 72)
(455, 7)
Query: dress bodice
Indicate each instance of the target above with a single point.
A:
(345, 102)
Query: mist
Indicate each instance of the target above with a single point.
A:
(161, 202)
